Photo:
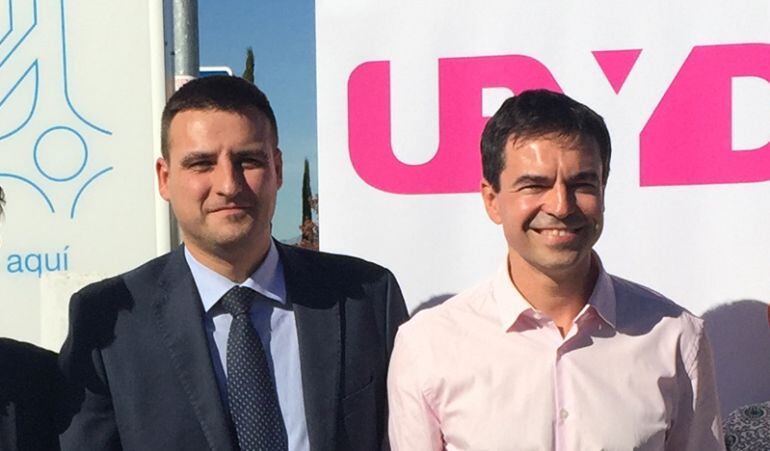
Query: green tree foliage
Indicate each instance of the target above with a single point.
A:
(307, 193)
(248, 72)
(309, 227)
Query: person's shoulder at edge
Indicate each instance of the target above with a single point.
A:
(451, 316)
(326, 269)
(427, 346)
(103, 290)
(636, 303)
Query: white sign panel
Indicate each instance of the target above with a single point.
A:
(405, 88)
(81, 89)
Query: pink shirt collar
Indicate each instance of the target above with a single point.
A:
(511, 304)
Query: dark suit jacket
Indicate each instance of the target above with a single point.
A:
(138, 352)
(30, 389)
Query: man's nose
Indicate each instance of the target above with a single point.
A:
(559, 201)
(228, 178)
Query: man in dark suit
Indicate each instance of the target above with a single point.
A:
(233, 340)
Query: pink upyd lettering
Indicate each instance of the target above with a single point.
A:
(688, 139)
(616, 65)
(456, 166)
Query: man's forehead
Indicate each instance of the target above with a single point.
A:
(252, 114)
(562, 141)
(258, 119)
(534, 154)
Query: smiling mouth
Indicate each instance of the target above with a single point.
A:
(558, 232)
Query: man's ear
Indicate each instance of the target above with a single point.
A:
(161, 171)
(490, 197)
(278, 161)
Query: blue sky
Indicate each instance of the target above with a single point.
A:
(282, 34)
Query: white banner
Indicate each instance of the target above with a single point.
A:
(82, 85)
(404, 89)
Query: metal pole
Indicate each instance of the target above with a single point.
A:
(186, 59)
(186, 64)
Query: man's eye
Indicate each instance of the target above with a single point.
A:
(252, 163)
(199, 165)
(585, 187)
(532, 188)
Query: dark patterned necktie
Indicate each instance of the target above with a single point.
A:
(250, 388)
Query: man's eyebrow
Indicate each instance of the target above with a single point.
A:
(205, 155)
(196, 156)
(585, 176)
(531, 179)
(251, 151)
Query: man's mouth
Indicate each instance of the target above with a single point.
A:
(226, 208)
(556, 232)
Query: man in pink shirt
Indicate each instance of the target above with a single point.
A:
(551, 352)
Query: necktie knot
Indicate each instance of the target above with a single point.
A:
(237, 300)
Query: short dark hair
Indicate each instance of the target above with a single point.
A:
(534, 114)
(219, 92)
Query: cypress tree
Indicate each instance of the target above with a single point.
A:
(248, 72)
(307, 194)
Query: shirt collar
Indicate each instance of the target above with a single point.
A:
(267, 279)
(511, 304)
(603, 297)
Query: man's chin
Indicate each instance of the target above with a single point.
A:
(562, 262)
(233, 238)
(237, 239)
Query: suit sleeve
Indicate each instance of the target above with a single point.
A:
(412, 424)
(697, 425)
(88, 402)
(396, 313)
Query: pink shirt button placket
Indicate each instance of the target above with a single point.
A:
(560, 393)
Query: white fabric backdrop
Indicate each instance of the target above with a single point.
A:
(697, 232)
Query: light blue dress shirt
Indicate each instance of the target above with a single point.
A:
(275, 324)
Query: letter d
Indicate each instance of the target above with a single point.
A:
(688, 139)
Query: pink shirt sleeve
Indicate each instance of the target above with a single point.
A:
(697, 425)
(412, 424)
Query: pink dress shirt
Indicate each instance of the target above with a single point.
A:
(485, 371)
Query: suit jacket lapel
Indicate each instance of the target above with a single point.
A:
(179, 316)
(317, 313)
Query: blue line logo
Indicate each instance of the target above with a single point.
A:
(46, 144)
